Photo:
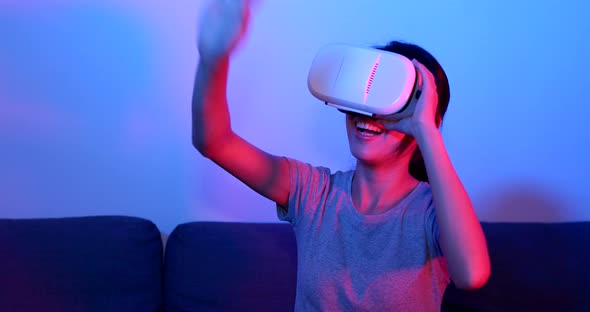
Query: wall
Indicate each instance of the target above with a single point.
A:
(95, 103)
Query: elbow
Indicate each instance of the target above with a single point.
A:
(199, 146)
(211, 146)
(201, 142)
(474, 280)
(473, 284)
(203, 148)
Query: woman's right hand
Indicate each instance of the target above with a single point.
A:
(222, 26)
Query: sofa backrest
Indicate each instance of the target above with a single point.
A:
(110, 263)
(535, 267)
(216, 266)
(116, 264)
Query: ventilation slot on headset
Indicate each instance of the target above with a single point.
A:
(370, 79)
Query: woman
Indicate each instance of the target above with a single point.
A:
(388, 235)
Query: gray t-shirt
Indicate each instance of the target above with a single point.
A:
(353, 262)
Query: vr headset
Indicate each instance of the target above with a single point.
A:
(366, 81)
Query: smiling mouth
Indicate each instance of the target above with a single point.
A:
(368, 129)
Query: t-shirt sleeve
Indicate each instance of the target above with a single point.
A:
(307, 191)
(433, 237)
(432, 229)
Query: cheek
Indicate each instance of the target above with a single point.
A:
(395, 136)
(392, 142)
(349, 125)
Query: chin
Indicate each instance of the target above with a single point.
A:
(372, 148)
(370, 156)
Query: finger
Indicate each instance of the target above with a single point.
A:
(429, 92)
(238, 12)
(246, 15)
(427, 77)
(234, 8)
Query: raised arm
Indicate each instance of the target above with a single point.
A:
(461, 237)
(222, 27)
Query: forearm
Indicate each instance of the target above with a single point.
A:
(210, 114)
(461, 237)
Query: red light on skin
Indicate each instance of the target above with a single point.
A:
(370, 78)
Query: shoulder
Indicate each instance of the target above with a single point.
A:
(303, 171)
(316, 183)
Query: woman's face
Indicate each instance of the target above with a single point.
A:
(369, 141)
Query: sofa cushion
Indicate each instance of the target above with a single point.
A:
(213, 266)
(109, 263)
(535, 267)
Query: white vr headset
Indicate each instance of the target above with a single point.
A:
(367, 81)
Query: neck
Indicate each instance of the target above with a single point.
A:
(378, 188)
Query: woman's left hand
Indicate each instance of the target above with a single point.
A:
(423, 116)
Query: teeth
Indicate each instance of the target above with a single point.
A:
(366, 126)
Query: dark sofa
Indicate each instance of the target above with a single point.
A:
(118, 264)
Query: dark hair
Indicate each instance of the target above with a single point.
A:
(412, 51)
